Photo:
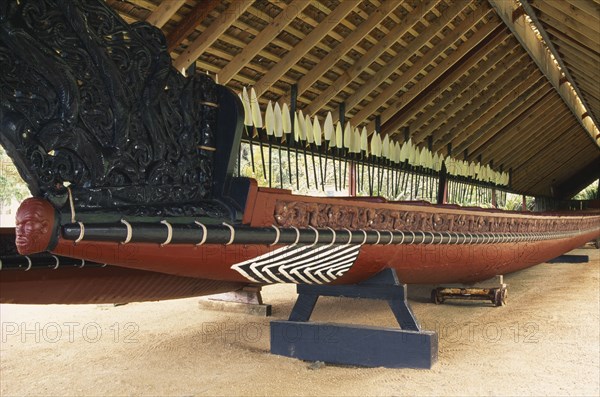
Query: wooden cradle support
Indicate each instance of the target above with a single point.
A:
(407, 347)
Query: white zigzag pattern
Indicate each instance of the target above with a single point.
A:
(300, 264)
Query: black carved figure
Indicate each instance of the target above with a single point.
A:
(90, 102)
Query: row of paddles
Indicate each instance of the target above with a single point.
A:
(464, 193)
(378, 178)
(397, 183)
(338, 144)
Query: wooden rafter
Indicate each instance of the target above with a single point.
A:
(526, 118)
(503, 105)
(374, 52)
(417, 67)
(563, 41)
(471, 113)
(584, 176)
(567, 33)
(494, 105)
(559, 169)
(583, 62)
(457, 128)
(244, 79)
(554, 131)
(386, 7)
(462, 94)
(304, 46)
(588, 7)
(570, 17)
(161, 14)
(190, 22)
(254, 66)
(399, 84)
(504, 130)
(541, 133)
(211, 34)
(432, 91)
(538, 129)
(587, 21)
(535, 157)
(266, 35)
(553, 142)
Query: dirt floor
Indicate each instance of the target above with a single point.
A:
(544, 342)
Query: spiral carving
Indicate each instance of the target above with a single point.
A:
(91, 101)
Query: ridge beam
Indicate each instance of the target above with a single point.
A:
(548, 61)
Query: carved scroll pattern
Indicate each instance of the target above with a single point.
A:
(304, 214)
(90, 100)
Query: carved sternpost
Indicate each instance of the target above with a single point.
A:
(92, 102)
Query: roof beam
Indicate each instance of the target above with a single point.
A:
(382, 11)
(211, 33)
(543, 55)
(590, 24)
(190, 22)
(501, 111)
(551, 144)
(557, 29)
(587, 7)
(432, 91)
(550, 130)
(161, 14)
(499, 146)
(459, 96)
(583, 61)
(304, 46)
(394, 64)
(374, 52)
(570, 16)
(483, 108)
(422, 39)
(273, 28)
(419, 66)
(537, 147)
(520, 94)
(562, 40)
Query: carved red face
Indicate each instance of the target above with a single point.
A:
(33, 226)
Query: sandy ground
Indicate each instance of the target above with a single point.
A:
(545, 342)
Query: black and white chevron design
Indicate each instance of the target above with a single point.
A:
(305, 264)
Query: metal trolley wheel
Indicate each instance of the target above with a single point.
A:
(435, 297)
(500, 296)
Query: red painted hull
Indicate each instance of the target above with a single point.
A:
(440, 263)
(108, 284)
(462, 246)
(415, 264)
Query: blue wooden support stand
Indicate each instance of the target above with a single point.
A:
(408, 347)
(570, 259)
